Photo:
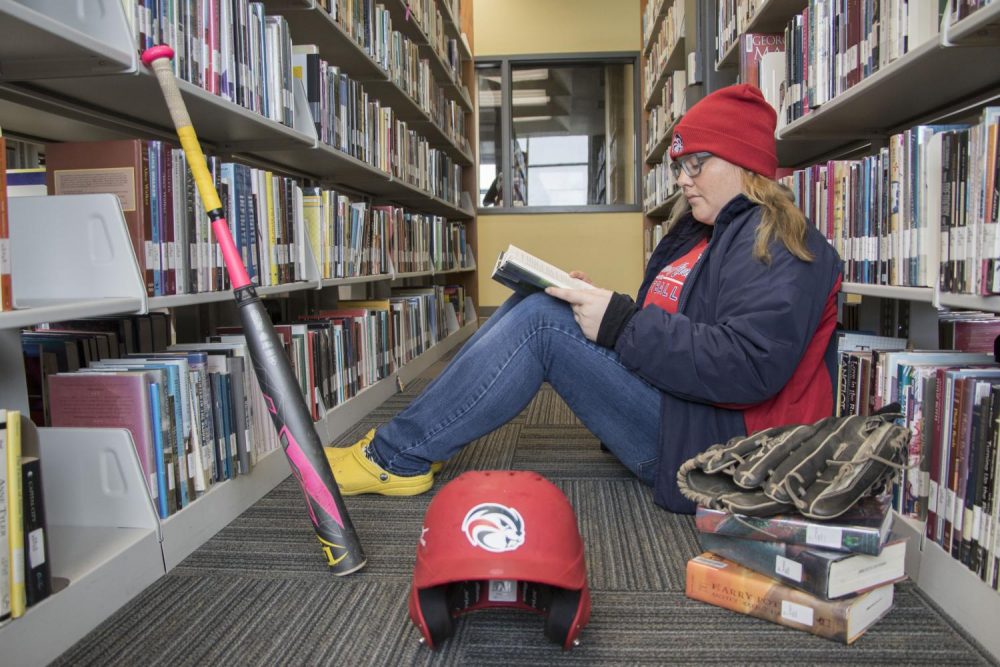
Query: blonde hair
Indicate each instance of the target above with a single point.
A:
(781, 219)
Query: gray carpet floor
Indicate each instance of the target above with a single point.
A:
(258, 593)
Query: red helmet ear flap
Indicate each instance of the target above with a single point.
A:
(436, 625)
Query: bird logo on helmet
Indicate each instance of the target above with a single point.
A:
(493, 527)
(473, 554)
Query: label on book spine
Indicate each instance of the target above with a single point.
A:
(786, 567)
(797, 612)
(823, 536)
(36, 547)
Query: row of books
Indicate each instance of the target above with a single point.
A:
(340, 352)
(671, 31)
(274, 221)
(234, 49)
(25, 576)
(658, 185)
(649, 14)
(356, 17)
(350, 119)
(950, 400)
(672, 106)
(834, 579)
(75, 344)
(923, 211)
(230, 48)
(832, 46)
(195, 411)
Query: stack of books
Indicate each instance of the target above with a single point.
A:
(832, 578)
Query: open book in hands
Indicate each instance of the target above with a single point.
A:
(523, 272)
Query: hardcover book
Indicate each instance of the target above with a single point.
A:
(523, 272)
(116, 167)
(862, 529)
(820, 572)
(725, 584)
(122, 400)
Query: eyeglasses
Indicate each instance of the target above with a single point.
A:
(691, 164)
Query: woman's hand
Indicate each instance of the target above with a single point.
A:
(580, 275)
(588, 307)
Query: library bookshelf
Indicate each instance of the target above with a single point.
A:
(107, 543)
(939, 80)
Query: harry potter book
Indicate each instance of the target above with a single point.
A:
(725, 584)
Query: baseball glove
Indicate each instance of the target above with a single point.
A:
(818, 470)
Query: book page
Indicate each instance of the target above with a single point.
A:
(540, 267)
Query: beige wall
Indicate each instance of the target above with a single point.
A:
(508, 27)
(608, 247)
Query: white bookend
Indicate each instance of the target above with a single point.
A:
(73, 251)
(103, 538)
(75, 42)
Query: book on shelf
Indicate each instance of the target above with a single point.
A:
(862, 529)
(26, 182)
(38, 576)
(4, 520)
(119, 400)
(523, 272)
(826, 574)
(717, 581)
(15, 520)
(753, 47)
(6, 287)
(118, 167)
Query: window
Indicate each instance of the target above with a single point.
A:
(570, 132)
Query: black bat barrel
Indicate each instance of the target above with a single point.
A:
(298, 437)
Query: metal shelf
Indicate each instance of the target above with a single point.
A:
(873, 108)
(219, 122)
(38, 311)
(980, 27)
(970, 302)
(774, 14)
(70, 43)
(922, 294)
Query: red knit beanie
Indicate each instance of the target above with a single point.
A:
(736, 123)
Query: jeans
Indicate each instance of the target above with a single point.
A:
(528, 340)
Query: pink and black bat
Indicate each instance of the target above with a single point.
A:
(288, 408)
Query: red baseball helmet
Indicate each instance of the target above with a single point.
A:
(500, 539)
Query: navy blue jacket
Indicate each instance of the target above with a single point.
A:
(741, 330)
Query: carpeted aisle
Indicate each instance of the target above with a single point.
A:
(258, 592)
